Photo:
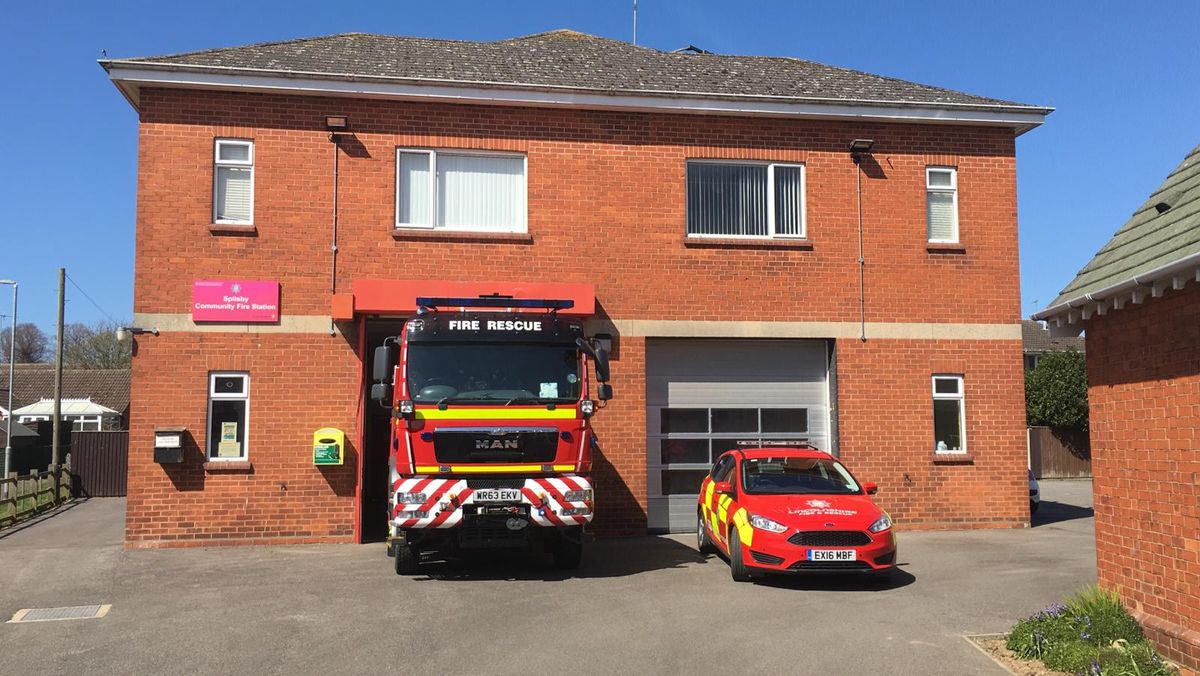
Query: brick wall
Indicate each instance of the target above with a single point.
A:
(606, 207)
(1144, 375)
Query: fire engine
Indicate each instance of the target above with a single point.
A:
(491, 439)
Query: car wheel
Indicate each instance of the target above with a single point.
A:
(703, 543)
(408, 559)
(737, 567)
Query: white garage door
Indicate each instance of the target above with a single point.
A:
(704, 396)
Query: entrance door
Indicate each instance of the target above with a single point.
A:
(704, 396)
(376, 433)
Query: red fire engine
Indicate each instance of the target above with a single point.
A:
(491, 442)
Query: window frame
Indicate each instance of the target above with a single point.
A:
(961, 397)
(434, 186)
(213, 395)
(218, 163)
(771, 232)
(953, 190)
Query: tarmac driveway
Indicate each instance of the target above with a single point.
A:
(636, 606)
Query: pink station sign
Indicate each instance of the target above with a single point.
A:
(235, 301)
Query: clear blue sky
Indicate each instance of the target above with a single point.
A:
(1125, 81)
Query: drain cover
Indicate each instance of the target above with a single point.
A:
(67, 613)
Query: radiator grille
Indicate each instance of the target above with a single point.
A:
(830, 538)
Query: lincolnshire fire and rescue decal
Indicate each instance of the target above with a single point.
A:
(821, 507)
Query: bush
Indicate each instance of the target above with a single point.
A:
(1056, 391)
(1091, 633)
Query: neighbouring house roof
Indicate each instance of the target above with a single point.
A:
(1036, 339)
(66, 407)
(1157, 248)
(34, 382)
(562, 61)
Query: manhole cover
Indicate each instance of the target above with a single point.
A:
(53, 614)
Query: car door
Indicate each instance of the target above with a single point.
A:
(718, 508)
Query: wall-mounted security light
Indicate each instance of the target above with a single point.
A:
(124, 332)
(337, 123)
(861, 145)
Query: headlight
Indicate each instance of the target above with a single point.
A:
(763, 523)
(584, 495)
(587, 407)
(881, 524)
(411, 498)
(406, 407)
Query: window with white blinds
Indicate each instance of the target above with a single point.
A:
(729, 199)
(233, 182)
(481, 192)
(941, 203)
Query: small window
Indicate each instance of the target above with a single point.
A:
(228, 415)
(471, 191)
(949, 416)
(729, 199)
(941, 203)
(1031, 362)
(233, 182)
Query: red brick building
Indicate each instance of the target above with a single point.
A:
(712, 201)
(1139, 302)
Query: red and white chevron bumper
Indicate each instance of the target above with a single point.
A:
(445, 499)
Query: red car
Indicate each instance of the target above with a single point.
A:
(792, 510)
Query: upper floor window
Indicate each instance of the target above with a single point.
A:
(233, 182)
(739, 199)
(941, 203)
(460, 190)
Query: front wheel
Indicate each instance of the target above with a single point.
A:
(703, 543)
(408, 559)
(568, 551)
(737, 567)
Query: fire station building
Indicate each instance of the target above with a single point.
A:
(776, 249)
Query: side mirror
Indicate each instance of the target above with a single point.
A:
(385, 362)
(604, 392)
(381, 393)
(870, 488)
(723, 488)
(602, 364)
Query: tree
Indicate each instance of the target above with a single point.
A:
(32, 345)
(1056, 391)
(95, 346)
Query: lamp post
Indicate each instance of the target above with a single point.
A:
(12, 358)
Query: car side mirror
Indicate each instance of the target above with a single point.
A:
(381, 393)
(870, 488)
(384, 363)
(723, 488)
(604, 392)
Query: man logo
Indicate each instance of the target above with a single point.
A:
(494, 444)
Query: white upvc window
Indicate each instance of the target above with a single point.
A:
(751, 200)
(84, 423)
(228, 415)
(949, 414)
(464, 190)
(233, 182)
(941, 204)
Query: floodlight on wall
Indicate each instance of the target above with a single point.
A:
(337, 123)
(125, 331)
(861, 145)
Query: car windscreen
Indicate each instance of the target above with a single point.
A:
(796, 476)
(506, 372)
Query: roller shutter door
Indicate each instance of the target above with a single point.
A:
(703, 396)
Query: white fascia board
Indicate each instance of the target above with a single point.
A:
(130, 78)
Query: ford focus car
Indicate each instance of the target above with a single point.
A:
(792, 510)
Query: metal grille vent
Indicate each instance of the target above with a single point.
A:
(55, 614)
(831, 538)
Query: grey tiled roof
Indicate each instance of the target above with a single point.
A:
(567, 59)
(1149, 240)
(1036, 339)
(107, 387)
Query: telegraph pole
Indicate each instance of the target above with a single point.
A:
(58, 369)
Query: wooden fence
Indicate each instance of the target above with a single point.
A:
(100, 463)
(24, 496)
(1059, 454)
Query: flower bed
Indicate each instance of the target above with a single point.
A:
(1091, 633)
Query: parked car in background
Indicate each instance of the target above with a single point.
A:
(1035, 494)
(792, 510)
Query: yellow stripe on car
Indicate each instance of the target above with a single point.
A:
(494, 414)
(745, 530)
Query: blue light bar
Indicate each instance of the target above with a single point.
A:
(496, 301)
